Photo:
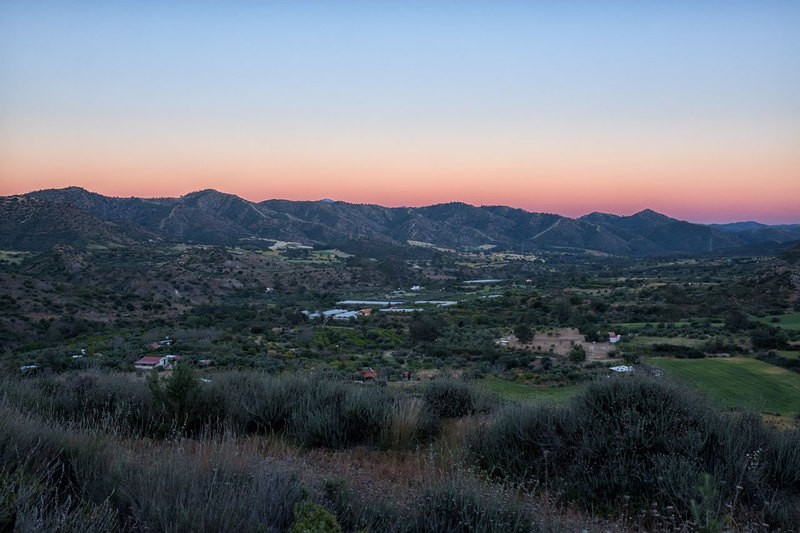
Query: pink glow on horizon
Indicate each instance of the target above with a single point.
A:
(574, 200)
(696, 187)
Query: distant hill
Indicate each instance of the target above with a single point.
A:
(792, 255)
(77, 217)
(31, 223)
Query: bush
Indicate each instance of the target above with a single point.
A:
(320, 413)
(177, 397)
(214, 489)
(577, 354)
(258, 403)
(677, 350)
(465, 505)
(448, 398)
(313, 518)
(626, 433)
(517, 443)
(337, 414)
(635, 441)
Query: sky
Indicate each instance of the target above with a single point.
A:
(690, 108)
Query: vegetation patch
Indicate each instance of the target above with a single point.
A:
(520, 392)
(628, 442)
(739, 382)
(12, 256)
(787, 321)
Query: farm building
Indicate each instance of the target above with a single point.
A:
(151, 362)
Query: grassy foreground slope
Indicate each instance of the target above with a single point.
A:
(249, 451)
(740, 382)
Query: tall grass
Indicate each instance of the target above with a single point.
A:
(213, 488)
(405, 425)
(312, 412)
(53, 477)
(34, 499)
(94, 444)
(464, 505)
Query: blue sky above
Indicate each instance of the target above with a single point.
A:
(523, 86)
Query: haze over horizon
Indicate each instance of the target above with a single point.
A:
(691, 109)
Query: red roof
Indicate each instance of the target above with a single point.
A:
(367, 373)
(149, 360)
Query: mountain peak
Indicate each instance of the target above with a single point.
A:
(597, 216)
(203, 192)
(649, 213)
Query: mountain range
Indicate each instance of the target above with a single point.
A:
(75, 216)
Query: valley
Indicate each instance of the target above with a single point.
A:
(512, 387)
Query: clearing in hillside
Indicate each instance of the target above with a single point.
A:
(559, 341)
(788, 321)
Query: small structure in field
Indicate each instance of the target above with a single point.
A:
(151, 362)
(367, 374)
(622, 369)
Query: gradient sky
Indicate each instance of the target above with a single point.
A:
(690, 108)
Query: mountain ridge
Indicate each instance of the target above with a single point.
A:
(212, 217)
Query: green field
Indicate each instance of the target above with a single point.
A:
(642, 341)
(642, 325)
(739, 382)
(789, 321)
(520, 392)
(12, 256)
(634, 326)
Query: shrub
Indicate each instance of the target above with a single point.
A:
(373, 513)
(257, 403)
(465, 505)
(577, 354)
(624, 428)
(213, 489)
(518, 442)
(178, 398)
(313, 518)
(449, 398)
(337, 414)
(677, 350)
(634, 441)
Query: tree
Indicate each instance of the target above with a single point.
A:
(178, 395)
(736, 321)
(764, 337)
(424, 328)
(523, 333)
(577, 354)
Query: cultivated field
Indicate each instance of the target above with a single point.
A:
(519, 392)
(788, 321)
(740, 382)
